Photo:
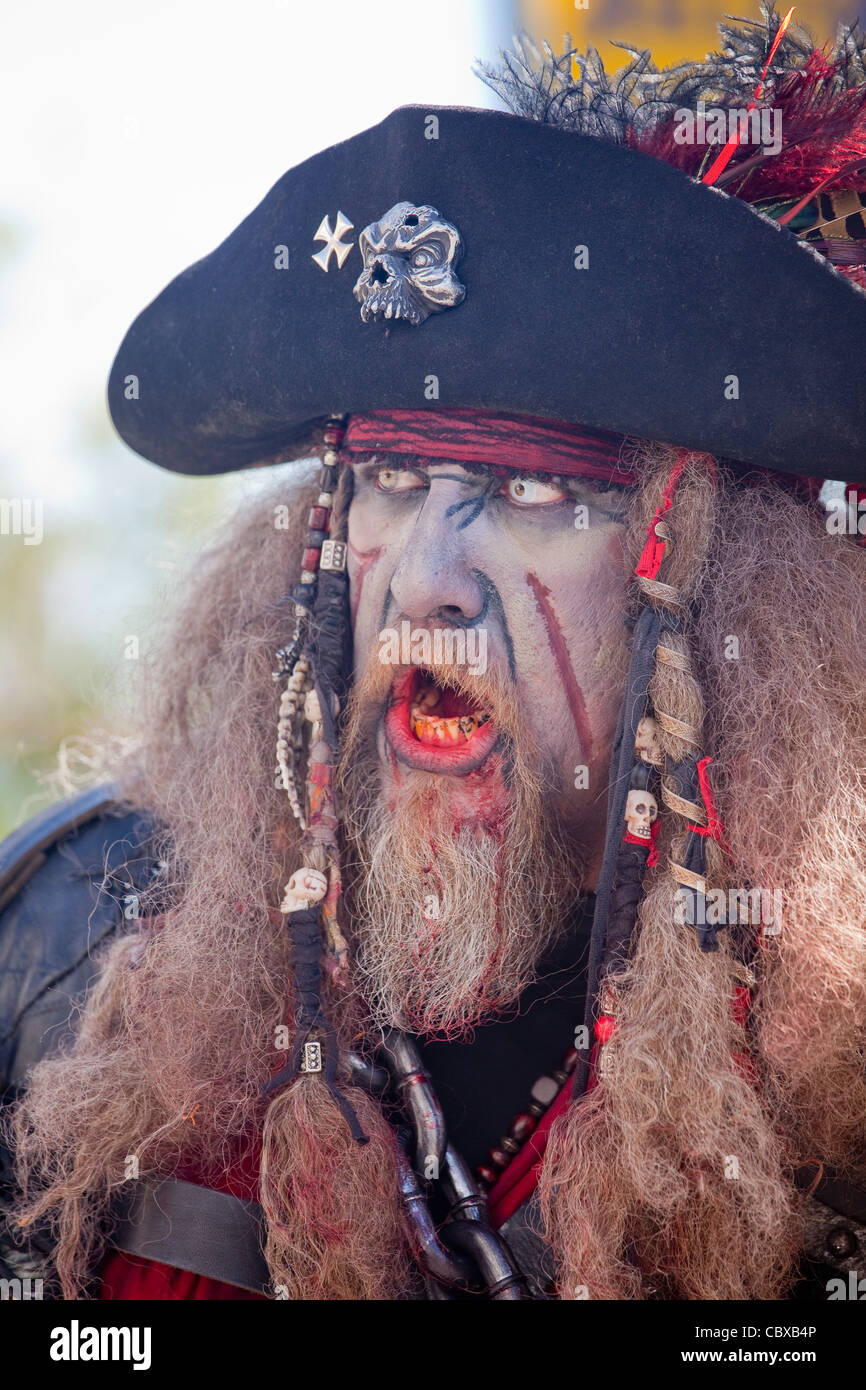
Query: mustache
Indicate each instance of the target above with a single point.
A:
(486, 682)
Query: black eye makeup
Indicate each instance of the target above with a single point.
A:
(405, 473)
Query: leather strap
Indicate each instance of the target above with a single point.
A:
(22, 852)
(194, 1228)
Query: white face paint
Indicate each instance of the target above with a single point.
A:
(641, 809)
(444, 546)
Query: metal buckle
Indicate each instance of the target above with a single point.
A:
(333, 556)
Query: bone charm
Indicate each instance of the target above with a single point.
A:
(641, 809)
(313, 714)
(647, 743)
(305, 887)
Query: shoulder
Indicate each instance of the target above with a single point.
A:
(69, 880)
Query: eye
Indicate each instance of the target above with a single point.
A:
(423, 257)
(529, 492)
(397, 480)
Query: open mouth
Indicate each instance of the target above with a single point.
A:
(436, 728)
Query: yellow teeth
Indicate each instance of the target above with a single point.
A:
(429, 728)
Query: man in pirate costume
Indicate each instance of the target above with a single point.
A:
(439, 1001)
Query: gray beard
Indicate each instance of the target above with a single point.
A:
(452, 921)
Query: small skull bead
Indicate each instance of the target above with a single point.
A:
(647, 743)
(306, 886)
(641, 810)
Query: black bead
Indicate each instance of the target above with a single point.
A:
(841, 1242)
(328, 479)
(316, 538)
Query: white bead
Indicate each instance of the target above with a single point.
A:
(545, 1090)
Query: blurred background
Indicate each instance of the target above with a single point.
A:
(137, 136)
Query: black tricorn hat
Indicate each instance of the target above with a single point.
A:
(452, 257)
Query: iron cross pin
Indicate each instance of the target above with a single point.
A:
(339, 248)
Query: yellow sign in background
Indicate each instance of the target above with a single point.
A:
(672, 29)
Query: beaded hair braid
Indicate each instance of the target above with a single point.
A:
(315, 665)
(657, 750)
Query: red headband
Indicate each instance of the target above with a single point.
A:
(507, 441)
(523, 442)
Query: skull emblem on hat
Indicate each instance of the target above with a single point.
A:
(641, 809)
(409, 258)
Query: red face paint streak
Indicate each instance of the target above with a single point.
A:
(363, 560)
(573, 692)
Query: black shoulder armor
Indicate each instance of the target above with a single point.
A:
(69, 880)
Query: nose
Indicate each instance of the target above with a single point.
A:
(434, 576)
(382, 270)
